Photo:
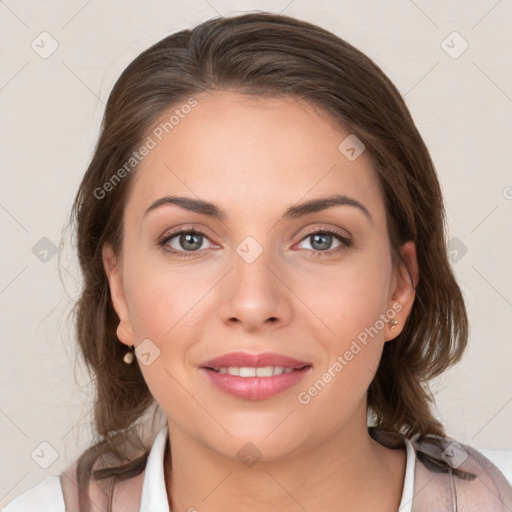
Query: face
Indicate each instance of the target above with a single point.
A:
(316, 285)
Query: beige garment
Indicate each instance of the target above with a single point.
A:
(441, 486)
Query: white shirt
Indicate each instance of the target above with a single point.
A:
(47, 496)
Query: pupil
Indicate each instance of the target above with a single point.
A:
(321, 238)
(188, 238)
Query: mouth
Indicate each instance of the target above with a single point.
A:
(254, 377)
(252, 371)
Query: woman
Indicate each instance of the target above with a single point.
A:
(262, 238)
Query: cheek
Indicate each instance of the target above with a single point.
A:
(164, 309)
(351, 302)
(163, 300)
(347, 300)
(168, 307)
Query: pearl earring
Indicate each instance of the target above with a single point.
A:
(393, 324)
(128, 357)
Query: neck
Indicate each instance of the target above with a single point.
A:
(347, 471)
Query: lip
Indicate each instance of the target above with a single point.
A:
(241, 359)
(255, 388)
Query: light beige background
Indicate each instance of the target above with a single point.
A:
(50, 115)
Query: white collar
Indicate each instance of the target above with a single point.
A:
(154, 493)
(408, 488)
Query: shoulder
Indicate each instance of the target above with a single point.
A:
(453, 474)
(45, 497)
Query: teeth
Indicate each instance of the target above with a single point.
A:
(266, 371)
(247, 372)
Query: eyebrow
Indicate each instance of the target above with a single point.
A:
(294, 212)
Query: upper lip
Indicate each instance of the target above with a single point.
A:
(243, 359)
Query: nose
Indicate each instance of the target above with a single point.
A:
(255, 295)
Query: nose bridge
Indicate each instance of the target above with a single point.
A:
(254, 295)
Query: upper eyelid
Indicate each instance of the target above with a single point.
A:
(332, 230)
(184, 229)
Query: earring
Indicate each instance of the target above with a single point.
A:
(393, 324)
(128, 357)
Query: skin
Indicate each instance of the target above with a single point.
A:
(254, 158)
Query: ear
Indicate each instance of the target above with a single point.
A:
(403, 288)
(112, 269)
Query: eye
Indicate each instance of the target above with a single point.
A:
(182, 242)
(321, 241)
(185, 242)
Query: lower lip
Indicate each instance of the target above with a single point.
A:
(255, 388)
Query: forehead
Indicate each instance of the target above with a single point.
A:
(254, 154)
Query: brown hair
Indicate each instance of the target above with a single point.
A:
(273, 55)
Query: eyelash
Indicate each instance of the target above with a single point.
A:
(345, 242)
